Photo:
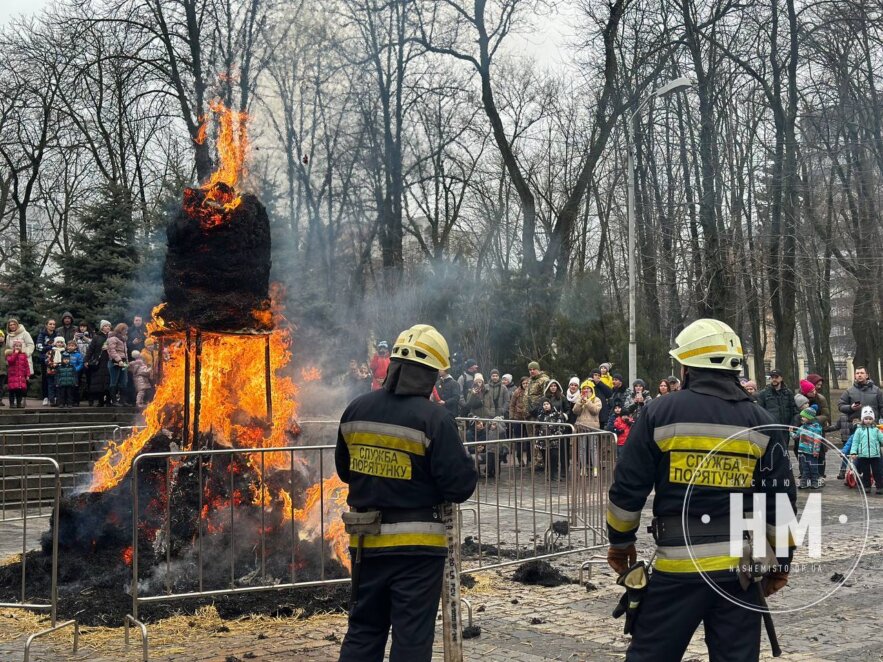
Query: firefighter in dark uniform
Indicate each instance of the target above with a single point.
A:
(669, 448)
(402, 457)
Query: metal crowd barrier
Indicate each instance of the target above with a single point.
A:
(20, 464)
(552, 506)
(72, 448)
(312, 456)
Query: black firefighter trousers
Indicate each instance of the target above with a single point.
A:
(398, 591)
(672, 610)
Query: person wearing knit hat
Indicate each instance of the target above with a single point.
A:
(572, 394)
(814, 398)
(536, 389)
(809, 449)
(807, 387)
(751, 389)
(497, 397)
(815, 380)
(606, 377)
(865, 451)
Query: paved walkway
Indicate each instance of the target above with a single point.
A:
(525, 623)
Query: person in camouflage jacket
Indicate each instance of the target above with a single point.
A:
(536, 387)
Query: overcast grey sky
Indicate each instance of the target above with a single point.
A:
(9, 8)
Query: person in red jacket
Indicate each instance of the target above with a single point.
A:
(622, 425)
(19, 371)
(379, 365)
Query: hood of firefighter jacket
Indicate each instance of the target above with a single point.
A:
(723, 384)
(406, 378)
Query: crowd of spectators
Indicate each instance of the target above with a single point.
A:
(110, 365)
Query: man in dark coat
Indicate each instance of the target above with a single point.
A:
(778, 400)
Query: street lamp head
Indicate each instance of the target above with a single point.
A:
(676, 85)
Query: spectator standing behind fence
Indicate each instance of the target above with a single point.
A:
(606, 376)
(52, 360)
(619, 391)
(509, 383)
(535, 389)
(808, 439)
(448, 392)
(518, 412)
(497, 397)
(865, 450)
(555, 396)
(475, 398)
(621, 425)
(637, 398)
(778, 400)
(572, 396)
(65, 381)
(117, 362)
(19, 369)
(45, 338)
(96, 364)
(604, 392)
(664, 388)
(586, 410)
(862, 393)
(77, 363)
(674, 384)
(470, 369)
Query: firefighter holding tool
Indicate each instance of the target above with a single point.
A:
(704, 439)
(403, 458)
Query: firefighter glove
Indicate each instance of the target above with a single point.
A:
(622, 558)
(635, 581)
(774, 581)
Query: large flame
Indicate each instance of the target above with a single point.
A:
(220, 190)
(233, 409)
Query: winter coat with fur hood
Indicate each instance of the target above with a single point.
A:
(27, 343)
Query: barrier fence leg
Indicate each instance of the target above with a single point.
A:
(142, 627)
(49, 631)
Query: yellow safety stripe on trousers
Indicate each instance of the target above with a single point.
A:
(622, 520)
(384, 441)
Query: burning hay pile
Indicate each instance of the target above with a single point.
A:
(206, 518)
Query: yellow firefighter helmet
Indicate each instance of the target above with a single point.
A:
(423, 344)
(709, 343)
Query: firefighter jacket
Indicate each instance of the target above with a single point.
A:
(402, 455)
(703, 439)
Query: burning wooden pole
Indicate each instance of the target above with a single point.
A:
(186, 431)
(268, 380)
(197, 391)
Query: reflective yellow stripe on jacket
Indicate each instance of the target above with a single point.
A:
(405, 534)
(710, 455)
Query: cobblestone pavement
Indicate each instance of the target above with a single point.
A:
(527, 624)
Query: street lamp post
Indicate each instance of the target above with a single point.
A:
(677, 85)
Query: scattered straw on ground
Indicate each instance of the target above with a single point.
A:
(169, 636)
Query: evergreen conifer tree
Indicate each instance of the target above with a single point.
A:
(22, 294)
(98, 277)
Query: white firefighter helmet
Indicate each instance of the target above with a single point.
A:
(709, 343)
(423, 344)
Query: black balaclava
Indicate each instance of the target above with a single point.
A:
(722, 384)
(406, 378)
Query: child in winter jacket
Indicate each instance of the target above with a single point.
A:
(141, 377)
(809, 448)
(52, 360)
(65, 381)
(865, 451)
(19, 369)
(620, 424)
(553, 423)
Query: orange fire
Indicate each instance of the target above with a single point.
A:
(233, 409)
(127, 555)
(220, 190)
